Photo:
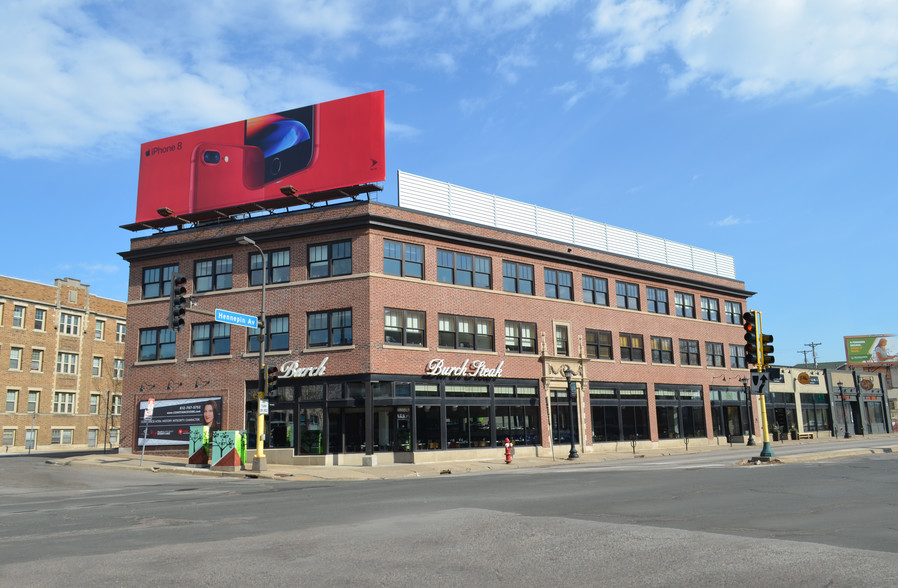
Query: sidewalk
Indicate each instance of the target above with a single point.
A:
(828, 448)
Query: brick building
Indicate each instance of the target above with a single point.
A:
(439, 326)
(62, 384)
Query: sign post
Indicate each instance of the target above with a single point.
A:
(147, 417)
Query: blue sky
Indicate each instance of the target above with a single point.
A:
(762, 129)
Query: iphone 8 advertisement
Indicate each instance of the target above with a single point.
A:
(314, 149)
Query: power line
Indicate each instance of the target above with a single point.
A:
(813, 347)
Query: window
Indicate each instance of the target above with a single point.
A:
(15, 358)
(330, 259)
(685, 304)
(113, 436)
(157, 281)
(598, 344)
(120, 332)
(710, 309)
(662, 350)
(99, 329)
(11, 398)
(559, 284)
(714, 354)
(733, 312)
(40, 319)
(66, 363)
(37, 360)
(61, 436)
(402, 259)
(517, 277)
(331, 328)
(737, 356)
(689, 352)
(64, 402)
(627, 295)
(520, 337)
(211, 339)
(595, 290)
(631, 347)
(562, 342)
(92, 437)
(94, 404)
(118, 369)
(404, 327)
(116, 404)
(657, 300)
(465, 332)
(69, 324)
(277, 334)
(278, 267)
(18, 316)
(213, 274)
(97, 369)
(464, 269)
(156, 344)
(9, 437)
(33, 398)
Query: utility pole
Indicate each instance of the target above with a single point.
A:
(813, 347)
(805, 352)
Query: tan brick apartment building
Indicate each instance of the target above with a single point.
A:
(412, 333)
(63, 365)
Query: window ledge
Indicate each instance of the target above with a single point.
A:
(335, 348)
(209, 358)
(155, 362)
(267, 353)
(405, 347)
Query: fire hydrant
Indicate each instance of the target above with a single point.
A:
(508, 450)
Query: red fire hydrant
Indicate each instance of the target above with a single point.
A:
(508, 448)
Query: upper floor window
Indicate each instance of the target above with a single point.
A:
(156, 344)
(685, 304)
(330, 328)
(120, 332)
(64, 402)
(67, 363)
(737, 356)
(662, 350)
(18, 316)
(403, 259)
(210, 339)
(11, 400)
(559, 284)
(464, 269)
(33, 400)
(562, 341)
(627, 295)
(277, 335)
(404, 327)
(69, 324)
(689, 352)
(595, 290)
(330, 259)
(714, 354)
(40, 319)
(278, 263)
(465, 332)
(631, 347)
(99, 329)
(116, 404)
(517, 277)
(710, 309)
(214, 274)
(157, 281)
(97, 367)
(734, 312)
(118, 369)
(15, 358)
(598, 344)
(520, 337)
(94, 403)
(37, 360)
(656, 299)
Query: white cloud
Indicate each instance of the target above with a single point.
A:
(507, 14)
(751, 48)
(729, 221)
(509, 65)
(571, 91)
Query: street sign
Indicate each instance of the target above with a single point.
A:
(235, 318)
(758, 382)
(263, 406)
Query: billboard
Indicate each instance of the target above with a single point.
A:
(297, 156)
(872, 349)
(171, 419)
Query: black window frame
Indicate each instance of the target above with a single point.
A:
(733, 311)
(599, 344)
(160, 339)
(660, 355)
(592, 290)
(277, 274)
(219, 277)
(562, 340)
(559, 284)
(737, 356)
(714, 354)
(656, 300)
(277, 335)
(625, 295)
(518, 339)
(217, 339)
(689, 352)
(159, 280)
(403, 335)
(336, 262)
(629, 351)
(686, 307)
(337, 327)
(711, 312)
(410, 260)
(512, 280)
(456, 339)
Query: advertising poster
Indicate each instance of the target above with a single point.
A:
(171, 419)
(872, 349)
(276, 160)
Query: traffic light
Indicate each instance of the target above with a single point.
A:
(177, 302)
(750, 324)
(767, 349)
(271, 380)
(263, 381)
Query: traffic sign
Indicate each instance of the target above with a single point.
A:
(758, 382)
(235, 318)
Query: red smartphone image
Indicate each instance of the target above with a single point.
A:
(287, 139)
(223, 175)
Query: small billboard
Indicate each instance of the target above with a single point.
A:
(303, 155)
(871, 349)
(169, 421)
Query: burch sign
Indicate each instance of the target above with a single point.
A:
(275, 160)
(468, 369)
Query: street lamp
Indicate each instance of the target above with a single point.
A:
(571, 394)
(260, 462)
(844, 415)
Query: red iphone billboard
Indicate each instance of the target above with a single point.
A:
(314, 149)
